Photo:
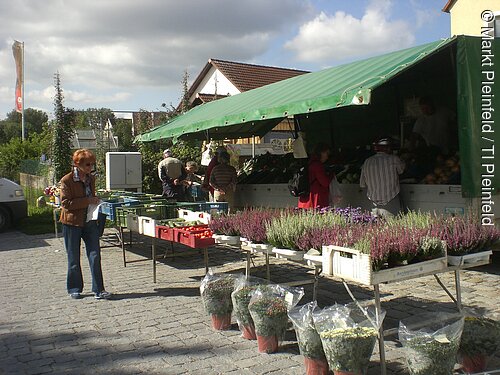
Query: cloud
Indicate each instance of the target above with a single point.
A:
(341, 36)
(128, 45)
(423, 16)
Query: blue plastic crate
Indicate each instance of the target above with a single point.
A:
(214, 207)
(109, 208)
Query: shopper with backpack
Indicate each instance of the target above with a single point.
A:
(319, 179)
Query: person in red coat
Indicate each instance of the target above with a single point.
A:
(319, 180)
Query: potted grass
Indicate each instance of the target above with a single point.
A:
(310, 345)
(432, 348)
(241, 298)
(348, 335)
(480, 340)
(216, 292)
(268, 307)
(225, 229)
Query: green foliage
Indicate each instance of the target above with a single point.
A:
(217, 296)
(187, 151)
(185, 105)
(269, 314)
(34, 122)
(15, 151)
(123, 130)
(62, 133)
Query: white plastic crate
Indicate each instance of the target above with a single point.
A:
(188, 215)
(295, 255)
(263, 248)
(313, 258)
(226, 240)
(476, 259)
(147, 226)
(133, 223)
(353, 265)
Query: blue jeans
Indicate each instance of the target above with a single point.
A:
(73, 235)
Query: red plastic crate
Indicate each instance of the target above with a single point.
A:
(165, 233)
(188, 238)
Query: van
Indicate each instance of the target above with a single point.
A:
(13, 205)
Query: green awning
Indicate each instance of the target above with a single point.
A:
(257, 111)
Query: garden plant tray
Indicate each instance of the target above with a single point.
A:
(261, 248)
(295, 255)
(470, 260)
(353, 265)
(226, 240)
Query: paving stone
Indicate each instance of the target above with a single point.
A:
(162, 328)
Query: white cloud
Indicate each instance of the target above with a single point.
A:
(340, 36)
(127, 46)
(424, 16)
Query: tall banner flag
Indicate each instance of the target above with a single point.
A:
(17, 50)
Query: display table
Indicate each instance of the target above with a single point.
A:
(457, 299)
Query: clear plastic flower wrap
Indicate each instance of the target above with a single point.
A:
(431, 342)
(348, 334)
(269, 307)
(241, 296)
(216, 292)
(480, 340)
(310, 345)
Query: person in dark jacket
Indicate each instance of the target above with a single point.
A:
(213, 163)
(172, 173)
(319, 179)
(77, 194)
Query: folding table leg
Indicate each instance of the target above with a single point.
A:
(123, 247)
(381, 346)
(268, 272)
(205, 253)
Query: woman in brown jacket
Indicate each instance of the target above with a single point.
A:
(77, 193)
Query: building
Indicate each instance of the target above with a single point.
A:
(220, 78)
(467, 16)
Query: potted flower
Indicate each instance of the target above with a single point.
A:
(252, 226)
(241, 298)
(433, 348)
(480, 340)
(310, 345)
(225, 229)
(468, 240)
(269, 314)
(348, 335)
(216, 295)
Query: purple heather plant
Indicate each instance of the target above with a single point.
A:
(224, 224)
(252, 223)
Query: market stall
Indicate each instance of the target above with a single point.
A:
(351, 105)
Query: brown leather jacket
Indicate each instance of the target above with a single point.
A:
(74, 202)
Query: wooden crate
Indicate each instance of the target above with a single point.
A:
(470, 260)
(353, 265)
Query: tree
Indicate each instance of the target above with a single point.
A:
(34, 121)
(185, 105)
(63, 132)
(123, 130)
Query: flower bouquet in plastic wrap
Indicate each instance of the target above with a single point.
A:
(431, 342)
(269, 307)
(309, 341)
(480, 340)
(241, 298)
(216, 292)
(348, 334)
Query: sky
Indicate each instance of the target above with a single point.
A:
(130, 54)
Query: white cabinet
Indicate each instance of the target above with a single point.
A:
(124, 171)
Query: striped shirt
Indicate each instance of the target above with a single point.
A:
(380, 174)
(223, 177)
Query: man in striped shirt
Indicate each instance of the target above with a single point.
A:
(380, 175)
(223, 180)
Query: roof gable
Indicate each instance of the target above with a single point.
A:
(448, 6)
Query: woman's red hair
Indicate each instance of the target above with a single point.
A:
(83, 155)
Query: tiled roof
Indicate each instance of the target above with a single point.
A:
(245, 76)
(248, 76)
(205, 98)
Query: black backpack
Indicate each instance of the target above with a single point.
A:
(299, 183)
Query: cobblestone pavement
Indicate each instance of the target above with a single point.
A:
(161, 328)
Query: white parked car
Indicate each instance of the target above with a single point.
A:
(13, 205)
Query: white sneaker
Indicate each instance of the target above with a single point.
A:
(103, 295)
